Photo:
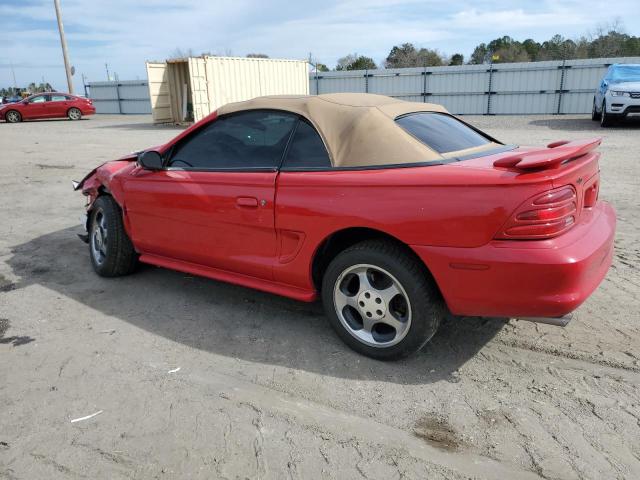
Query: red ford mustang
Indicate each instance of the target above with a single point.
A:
(47, 105)
(392, 212)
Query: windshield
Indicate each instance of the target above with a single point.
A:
(625, 73)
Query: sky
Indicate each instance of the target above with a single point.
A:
(125, 34)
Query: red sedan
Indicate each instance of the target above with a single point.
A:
(391, 212)
(47, 105)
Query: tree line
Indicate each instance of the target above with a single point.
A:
(31, 89)
(604, 42)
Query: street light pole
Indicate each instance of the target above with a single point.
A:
(63, 41)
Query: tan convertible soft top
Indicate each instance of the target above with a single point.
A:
(358, 129)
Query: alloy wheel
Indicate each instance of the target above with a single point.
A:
(99, 237)
(75, 114)
(372, 305)
(13, 117)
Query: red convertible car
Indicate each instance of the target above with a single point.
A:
(391, 212)
(47, 105)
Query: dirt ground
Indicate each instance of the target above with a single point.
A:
(264, 388)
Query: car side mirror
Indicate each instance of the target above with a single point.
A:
(150, 160)
(25, 102)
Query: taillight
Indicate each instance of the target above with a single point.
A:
(544, 216)
(591, 194)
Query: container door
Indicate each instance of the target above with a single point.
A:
(198, 84)
(157, 73)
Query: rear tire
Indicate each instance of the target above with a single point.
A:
(605, 118)
(110, 249)
(74, 114)
(13, 116)
(595, 116)
(380, 300)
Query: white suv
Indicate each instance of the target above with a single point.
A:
(618, 95)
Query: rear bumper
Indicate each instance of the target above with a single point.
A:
(540, 278)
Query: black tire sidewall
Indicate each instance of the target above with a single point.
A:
(120, 257)
(594, 112)
(426, 304)
(605, 119)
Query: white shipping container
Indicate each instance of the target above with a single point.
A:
(189, 89)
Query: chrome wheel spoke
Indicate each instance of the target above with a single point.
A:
(388, 293)
(367, 324)
(364, 281)
(342, 300)
(392, 321)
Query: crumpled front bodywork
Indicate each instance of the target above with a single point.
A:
(106, 179)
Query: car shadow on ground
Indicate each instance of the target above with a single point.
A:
(234, 321)
(144, 126)
(584, 124)
(45, 120)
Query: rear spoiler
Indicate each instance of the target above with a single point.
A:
(551, 157)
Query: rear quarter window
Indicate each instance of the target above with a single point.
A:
(306, 149)
(440, 132)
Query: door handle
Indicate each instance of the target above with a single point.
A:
(247, 202)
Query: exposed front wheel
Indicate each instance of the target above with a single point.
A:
(380, 300)
(111, 251)
(74, 114)
(13, 116)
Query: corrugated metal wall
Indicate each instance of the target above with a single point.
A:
(553, 87)
(130, 96)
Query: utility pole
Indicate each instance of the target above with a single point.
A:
(13, 72)
(63, 42)
(84, 85)
(106, 66)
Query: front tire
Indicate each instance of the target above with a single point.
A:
(595, 116)
(74, 114)
(111, 251)
(605, 118)
(380, 300)
(13, 116)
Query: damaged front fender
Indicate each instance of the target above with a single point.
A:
(103, 179)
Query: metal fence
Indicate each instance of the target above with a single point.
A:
(130, 96)
(552, 87)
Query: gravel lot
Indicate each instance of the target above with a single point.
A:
(264, 388)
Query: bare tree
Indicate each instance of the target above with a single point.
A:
(182, 53)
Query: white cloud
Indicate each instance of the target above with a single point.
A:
(125, 34)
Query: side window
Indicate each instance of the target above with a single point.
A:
(38, 99)
(307, 149)
(58, 98)
(442, 133)
(254, 139)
